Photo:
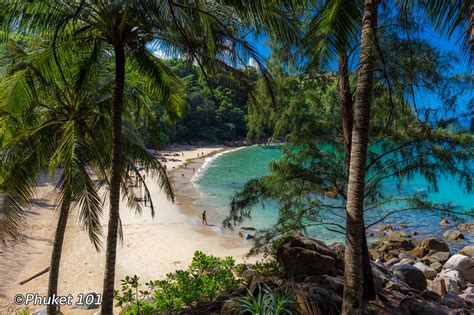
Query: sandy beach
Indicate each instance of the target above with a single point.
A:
(151, 247)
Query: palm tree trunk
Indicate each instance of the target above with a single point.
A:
(353, 257)
(112, 233)
(56, 257)
(368, 285)
(347, 115)
(346, 103)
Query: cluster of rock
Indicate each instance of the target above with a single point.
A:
(428, 267)
(411, 277)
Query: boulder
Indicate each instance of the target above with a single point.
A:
(434, 244)
(396, 283)
(468, 297)
(419, 251)
(468, 294)
(335, 284)
(400, 244)
(397, 234)
(314, 299)
(429, 272)
(391, 262)
(452, 300)
(467, 226)
(436, 266)
(463, 264)
(453, 235)
(453, 274)
(407, 261)
(440, 257)
(377, 234)
(430, 295)
(338, 249)
(410, 305)
(302, 256)
(394, 252)
(376, 254)
(403, 225)
(467, 251)
(444, 222)
(383, 227)
(405, 255)
(413, 276)
(381, 274)
(442, 285)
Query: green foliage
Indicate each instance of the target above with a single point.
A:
(51, 125)
(309, 182)
(269, 267)
(216, 115)
(306, 102)
(206, 278)
(266, 302)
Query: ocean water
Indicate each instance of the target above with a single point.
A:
(223, 175)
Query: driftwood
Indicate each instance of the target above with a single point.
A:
(34, 276)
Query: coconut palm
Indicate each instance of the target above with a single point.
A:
(208, 33)
(360, 140)
(331, 33)
(67, 128)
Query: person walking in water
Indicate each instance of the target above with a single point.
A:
(204, 218)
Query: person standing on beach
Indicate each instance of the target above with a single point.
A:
(204, 218)
(145, 199)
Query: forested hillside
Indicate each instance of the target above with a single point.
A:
(215, 109)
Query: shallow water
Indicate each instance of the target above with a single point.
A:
(223, 175)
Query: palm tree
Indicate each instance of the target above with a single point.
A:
(353, 278)
(207, 33)
(332, 34)
(360, 140)
(69, 119)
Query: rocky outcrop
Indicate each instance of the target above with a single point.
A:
(431, 282)
(412, 275)
(429, 272)
(467, 251)
(467, 227)
(445, 222)
(411, 305)
(453, 235)
(463, 264)
(429, 246)
(302, 256)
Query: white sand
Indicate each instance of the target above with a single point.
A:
(151, 247)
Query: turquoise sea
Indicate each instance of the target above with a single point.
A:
(223, 175)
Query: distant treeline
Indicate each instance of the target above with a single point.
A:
(215, 109)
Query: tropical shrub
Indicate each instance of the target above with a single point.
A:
(205, 279)
(266, 302)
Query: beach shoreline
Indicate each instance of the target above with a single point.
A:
(152, 247)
